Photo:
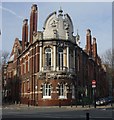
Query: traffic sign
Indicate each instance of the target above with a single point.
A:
(93, 82)
(93, 86)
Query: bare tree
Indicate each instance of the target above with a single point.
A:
(108, 60)
(3, 57)
(107, 57)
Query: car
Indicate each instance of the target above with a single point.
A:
(102, 101)
(97, 102)
(110, 99)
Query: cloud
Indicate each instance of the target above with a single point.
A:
(12, 12)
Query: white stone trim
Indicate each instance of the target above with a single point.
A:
(40, 58)
(74, 58)
(54, 49)
(68, 57)
(46, 97)
(62, 97)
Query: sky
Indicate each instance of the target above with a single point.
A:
(96, 16)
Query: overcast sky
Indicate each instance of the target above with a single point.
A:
(96, 16)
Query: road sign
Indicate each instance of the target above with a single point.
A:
(93, 86)
(93, 82)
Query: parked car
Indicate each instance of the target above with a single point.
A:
(110, 99)
(102, 101)
(105, 101)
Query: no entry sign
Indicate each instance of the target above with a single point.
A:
(93, 83)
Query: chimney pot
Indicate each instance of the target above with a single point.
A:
(25, 21)
(88, 32)
(34, 7)
(94, 40)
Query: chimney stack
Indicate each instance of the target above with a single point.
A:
(24, 33)
(94, 48)
(33, 21)
(88, 42)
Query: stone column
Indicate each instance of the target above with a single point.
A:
(64, 58)
(54, 58)
(68, 57)
(40, 58)
(74, 57)
(37, 58)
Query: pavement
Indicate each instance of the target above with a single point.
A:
(79, 107)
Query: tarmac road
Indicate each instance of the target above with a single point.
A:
(65, 112)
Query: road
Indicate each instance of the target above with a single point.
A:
(66, 112)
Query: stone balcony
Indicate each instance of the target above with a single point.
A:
(59, 73)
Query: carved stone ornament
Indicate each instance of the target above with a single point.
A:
(54, 23)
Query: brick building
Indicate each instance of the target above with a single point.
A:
(51, 68)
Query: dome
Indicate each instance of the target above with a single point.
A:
(58, 27)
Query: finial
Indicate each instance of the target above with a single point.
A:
(77, 31)
(60, 11)
(60, 8)
(77, 38)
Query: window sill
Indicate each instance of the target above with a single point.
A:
(46, 97)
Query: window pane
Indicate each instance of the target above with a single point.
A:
(46, 90)
(60, 58)
(61, 91)
(48, 57)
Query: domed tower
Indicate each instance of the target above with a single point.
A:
(58, 27)
(56, 77)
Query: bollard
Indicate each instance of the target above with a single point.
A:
(71, 103)
(28, 101)
(87, 116)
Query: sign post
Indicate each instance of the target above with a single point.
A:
(94, 92)
(93, 83)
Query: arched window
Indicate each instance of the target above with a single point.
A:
(48, 57)
(73, 91)
(60, 58)
(46, 91)
(61, 90)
